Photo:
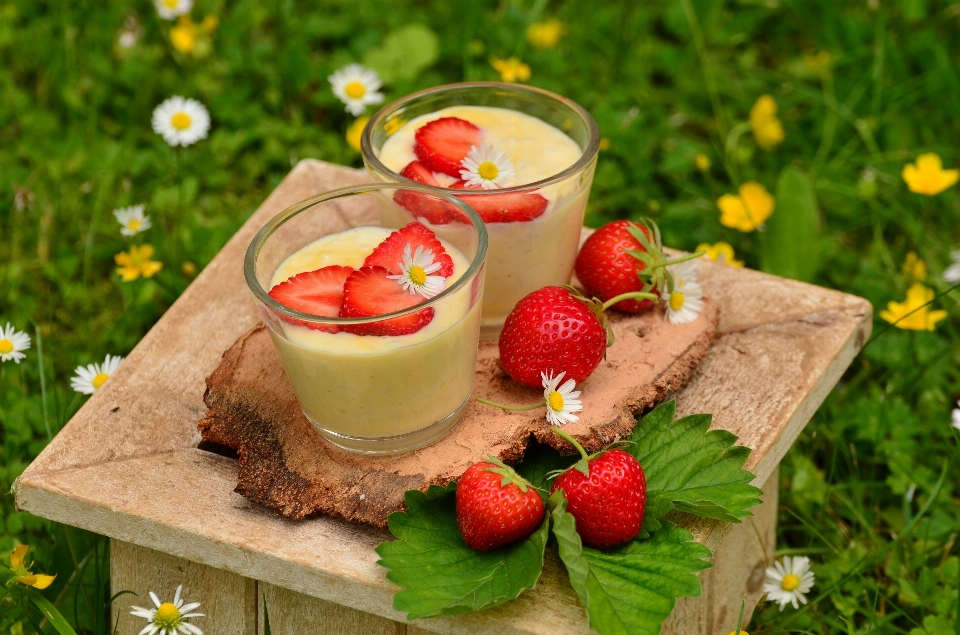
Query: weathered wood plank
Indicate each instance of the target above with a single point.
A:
(293, 613)
(228, 601)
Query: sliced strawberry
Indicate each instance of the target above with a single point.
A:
(389, 253)
(317, 292)
(429, 208)
(443, 143)
(511, 207)
(368, 291)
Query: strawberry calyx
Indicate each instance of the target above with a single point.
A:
(508, 474)
(654, 275)
(597, 307)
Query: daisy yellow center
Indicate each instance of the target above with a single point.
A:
(171, 4)
(6, 346)
(676, 300)
(168, 616)
(555, 401)
(417, 275)
(355, 89)
(100, 379)
(134, 225)
(488, 170)
(789, 582)
(180, 121)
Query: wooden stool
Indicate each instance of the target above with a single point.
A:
(128, 466)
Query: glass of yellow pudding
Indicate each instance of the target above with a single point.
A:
(522, 157)
(376, 324)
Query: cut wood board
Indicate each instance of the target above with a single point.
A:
(127, 464)
(285, 465)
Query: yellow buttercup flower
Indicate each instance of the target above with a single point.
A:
(720, 252)
(136, 263)
(605, 143)
(184, 35)
(209, 24)
(355, 131)
(22, 573)
(927, 175)
(703, 162)
(747, 211)
(914, 269)
(545, 35)
(767, 129)
(511, 70)
(914, 313)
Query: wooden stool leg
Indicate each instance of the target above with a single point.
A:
(293, 613)
(738, 569)
(228, 601)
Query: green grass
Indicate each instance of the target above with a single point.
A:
(870, 490)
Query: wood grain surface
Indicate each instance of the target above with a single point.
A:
(130, 456)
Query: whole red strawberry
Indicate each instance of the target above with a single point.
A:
(551, 330)
(608, 500)
(496, 506)
(621, 257)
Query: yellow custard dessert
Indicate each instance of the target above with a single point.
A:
(523, 255)
(375, 386)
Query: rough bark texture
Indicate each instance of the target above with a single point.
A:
(285, 465)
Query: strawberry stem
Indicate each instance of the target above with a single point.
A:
(581, 465)
(632, 295)
(676, 260)
(505, 407)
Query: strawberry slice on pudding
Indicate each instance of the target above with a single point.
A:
(372, 291)
(444, 143)
(430, 208)
(509, 207)
(389, 254)
(318, 292)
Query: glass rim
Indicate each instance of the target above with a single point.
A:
(258, 242)
(588, 156)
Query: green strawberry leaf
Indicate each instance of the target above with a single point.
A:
(632, 589)
(439, 573)
(538, 463)
(699, 471)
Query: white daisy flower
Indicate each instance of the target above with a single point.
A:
(130, 33)
(356, 86)
(415, 273)
(88, 379)
(12, 344)
(684, 298)
(487, 167)
(956, 415)
(952, 274)
(170, 9)
(181, 122)
(168, 618)
(788, 581)
(132, 219)
(561, 402)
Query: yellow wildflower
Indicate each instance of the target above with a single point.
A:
(209, 24)
(703, 162)
(721, 252)
(739, 633)
(355, 131)
(914, 313)
(767, 129)
(605, 143)
(747, 211)
(189, 269)
(136, 263)
(184, 35)
(927, 176)
(22, 573)
(511, 70)
(545, 35)
(914, 269)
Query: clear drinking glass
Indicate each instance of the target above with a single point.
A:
(523, 256)
(371, 393)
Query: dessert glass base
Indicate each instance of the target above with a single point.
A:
(395, 444)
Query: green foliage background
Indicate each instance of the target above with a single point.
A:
(859, 492)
